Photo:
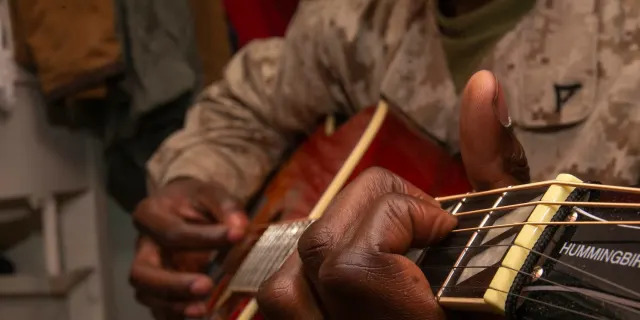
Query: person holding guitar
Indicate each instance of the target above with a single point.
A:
(570, 73)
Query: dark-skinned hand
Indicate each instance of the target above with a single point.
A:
(180, 226)
(350, 264)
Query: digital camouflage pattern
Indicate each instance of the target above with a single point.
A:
(342, 55)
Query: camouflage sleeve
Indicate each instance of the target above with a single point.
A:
(239, 127)
(333, 59)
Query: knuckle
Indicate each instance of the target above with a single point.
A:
(275, 295)
(374, 174)
(396, 208)
(376, 178)
(149, 207)
(347, 272)
(173, 237)
(389, 201)
(314, 244)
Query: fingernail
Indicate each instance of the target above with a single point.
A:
(452, 221)
(237, 220)
(201, 286)
(237, 223)
(235, 234)
(195, 310)
(442, 226)
(500, 109)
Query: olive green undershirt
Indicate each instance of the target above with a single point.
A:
(467, 38)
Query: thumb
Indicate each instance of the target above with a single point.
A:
(492, 155)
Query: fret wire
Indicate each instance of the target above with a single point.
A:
(541, 184)
(257, 255)
(557, 223)
(457, 207)
(631, 205)
(255, 258)
(471, 240)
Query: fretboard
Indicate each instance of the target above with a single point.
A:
(452, 264)
(461, 266)
(267, 255)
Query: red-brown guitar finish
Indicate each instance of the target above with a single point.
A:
(292, 193)
(398, 147)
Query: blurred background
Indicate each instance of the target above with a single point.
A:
(88, 89)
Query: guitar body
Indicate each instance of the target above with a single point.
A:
(321, 166)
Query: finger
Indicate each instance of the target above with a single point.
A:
(148, 276)
(398, 222)
(492, 155)
(287, 295)
(224, 208)
(163, 283)
(371, 266)
(346, 211)
(156, 219)
(172, 308)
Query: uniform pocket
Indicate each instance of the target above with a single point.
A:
(558, 58)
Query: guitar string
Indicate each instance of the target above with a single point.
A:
(541, 223)
(527, 204)
(552, 223)
(594, 217)
(603, 296)
(546, 280)
(617, 205)
(535, 185)
(570, 289)
(599, 221)
(525, 298)
(609, 282)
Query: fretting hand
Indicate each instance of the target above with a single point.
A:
(350, 263)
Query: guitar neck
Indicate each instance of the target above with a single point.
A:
(476, 270)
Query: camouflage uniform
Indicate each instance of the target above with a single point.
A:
(342, 55)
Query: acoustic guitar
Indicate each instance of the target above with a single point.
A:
(560, 249)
